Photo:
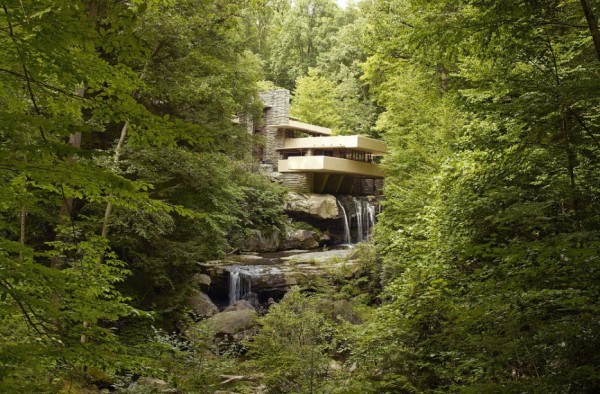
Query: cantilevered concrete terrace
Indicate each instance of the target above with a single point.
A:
(348, 155)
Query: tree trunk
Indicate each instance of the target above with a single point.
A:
(108, 210)
(570, 162)
(22, 235)
(592, 24)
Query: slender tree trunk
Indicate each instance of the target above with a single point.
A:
(443, 73)
(22, 235)
(75, 139)
(570, 162)
(65, 212)
(122, 138)
(592, 24)
(109, 207)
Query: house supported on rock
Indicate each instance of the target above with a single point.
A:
(310, 159)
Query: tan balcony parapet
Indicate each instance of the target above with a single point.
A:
(355, 142)
(333, 165)
(301, 126)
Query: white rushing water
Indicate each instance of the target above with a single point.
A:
(240, 284)
(371, 218)
(347, 237)
(359, 220)
(240, 279)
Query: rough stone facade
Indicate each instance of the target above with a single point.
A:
(367, 187)
(275, 139)
(300, 183)
(277, 111)
(278, 106)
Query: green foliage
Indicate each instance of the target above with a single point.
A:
(46, 311)
(314, 100)
(295, 34)
(290, 348)
(333, 93)
(489, 234)
(190, 364)
(70, 70)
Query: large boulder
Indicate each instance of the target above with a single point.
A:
(319, 206)
(234, 323)
(241, 305)
(201, 304)
(259, 242)
(201, 281)
(300, 239)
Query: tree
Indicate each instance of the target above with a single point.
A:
(299, 35)
(333, 93)
(314, 101)
(490, 231)
(63, 321)
(290, 348)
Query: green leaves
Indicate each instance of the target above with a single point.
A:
(290, 348)
(487, 231)
(71, 76)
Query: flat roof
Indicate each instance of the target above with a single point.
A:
(356, 142)
(297, 125)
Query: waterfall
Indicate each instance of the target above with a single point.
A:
(240, 284)
(365, 212)
(347, 238)
(371, 218)
(241, 277)
(358, 209)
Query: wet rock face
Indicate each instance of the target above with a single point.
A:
(292, 239)
(201, 304)
(300, 239)
(318, 206)
(234, 323)
(272, 279)
(259, 242)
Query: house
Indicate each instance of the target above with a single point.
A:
(310, 158)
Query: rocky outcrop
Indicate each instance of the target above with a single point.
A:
(318, 206)
(201, 281)
(201, 304)
(292, 239)
(259, 242)
(241, 305)
(300, 239)
(237, 324)
(273, 279)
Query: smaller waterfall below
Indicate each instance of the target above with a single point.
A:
(240, 284)
(347, 237)
(241, 277)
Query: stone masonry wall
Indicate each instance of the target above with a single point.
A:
(368, 187)
(300, 183)
(278, 112)
(279, 103)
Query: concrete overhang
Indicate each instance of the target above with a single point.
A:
(332, 165)
(355, 142)
(301, 126)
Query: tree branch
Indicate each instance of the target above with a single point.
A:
(592, 24)
(23, 65)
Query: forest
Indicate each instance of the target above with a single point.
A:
(121, 171)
